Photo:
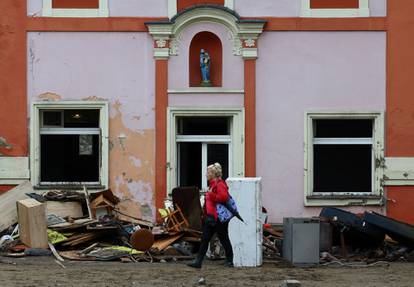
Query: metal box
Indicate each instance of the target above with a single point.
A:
(301, 241)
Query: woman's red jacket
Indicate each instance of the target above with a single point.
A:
(217, 193)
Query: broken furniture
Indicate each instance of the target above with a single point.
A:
(397, 230)
(301, 241)
(188, 198)
(32, 223)
(101, 206)
(354, 230)
(175, 221)
(142, 239)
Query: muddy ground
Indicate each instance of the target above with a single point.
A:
(43, 271)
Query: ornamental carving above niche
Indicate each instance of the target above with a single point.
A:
(242, 33)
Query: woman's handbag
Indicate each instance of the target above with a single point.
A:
(227, 210)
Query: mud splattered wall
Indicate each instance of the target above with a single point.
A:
(118, 68)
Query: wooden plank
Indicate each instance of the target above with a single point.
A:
(161, 244)
(8, 211)
(32, 223)
(64, 208)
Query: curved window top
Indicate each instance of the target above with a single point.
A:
(75, 8)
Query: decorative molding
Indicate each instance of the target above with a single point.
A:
(239, 30)
(362, 11)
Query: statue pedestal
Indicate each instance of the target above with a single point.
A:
(205, 84)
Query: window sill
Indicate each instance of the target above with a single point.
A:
(344, 200)
(68, 187)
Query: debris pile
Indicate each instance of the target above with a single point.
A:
(345, 237)
(76, 225)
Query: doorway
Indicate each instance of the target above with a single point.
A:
(198, 138)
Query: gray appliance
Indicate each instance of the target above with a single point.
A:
(301, 241)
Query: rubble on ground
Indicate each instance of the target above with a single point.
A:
(83, 226)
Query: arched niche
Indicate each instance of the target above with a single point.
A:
(211, 43)
(183, 4)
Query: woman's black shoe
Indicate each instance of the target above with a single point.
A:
(194, 264)
(228, 264)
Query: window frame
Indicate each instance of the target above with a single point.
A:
(36, 130)
(49, 11)
(342, 199)
(362, 11)
(235, 141)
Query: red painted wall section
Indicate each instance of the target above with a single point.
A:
(182, 4)
(13, 102)
(78, 4)
(211, 44)
(400, 101)
(400, 203)
(337, 4)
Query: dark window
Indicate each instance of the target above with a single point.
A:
(52, 118)
(219, 153)
(190, 164)
(63, 161)
(71, 151)
(343, 167)
(203, 126)
(343, 128)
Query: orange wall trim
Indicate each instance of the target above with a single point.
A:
(111, 24)
(161, 104)
(77, 4)
(250, 116)
(337, 4)
(13, 86)
(136, 24)
(400, 68)
(325, 24)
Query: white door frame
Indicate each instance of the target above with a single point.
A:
(237, 138)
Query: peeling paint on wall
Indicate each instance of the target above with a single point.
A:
(131, 166)
(49, 97)
(4, 145)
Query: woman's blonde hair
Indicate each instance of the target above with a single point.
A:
(216, 169)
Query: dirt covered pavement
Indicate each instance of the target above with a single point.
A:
(43, 271)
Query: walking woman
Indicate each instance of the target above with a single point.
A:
(218, 193)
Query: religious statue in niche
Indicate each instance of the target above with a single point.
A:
(205, 68)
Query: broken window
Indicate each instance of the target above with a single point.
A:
(343, 155)
(70, 146)
(202, 141)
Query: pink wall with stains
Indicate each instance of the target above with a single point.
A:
(119, 68)
(178, 66)
(299, 71)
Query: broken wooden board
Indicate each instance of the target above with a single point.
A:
(64, 208)
(161, 244)
(32, 223)
(8, 211)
